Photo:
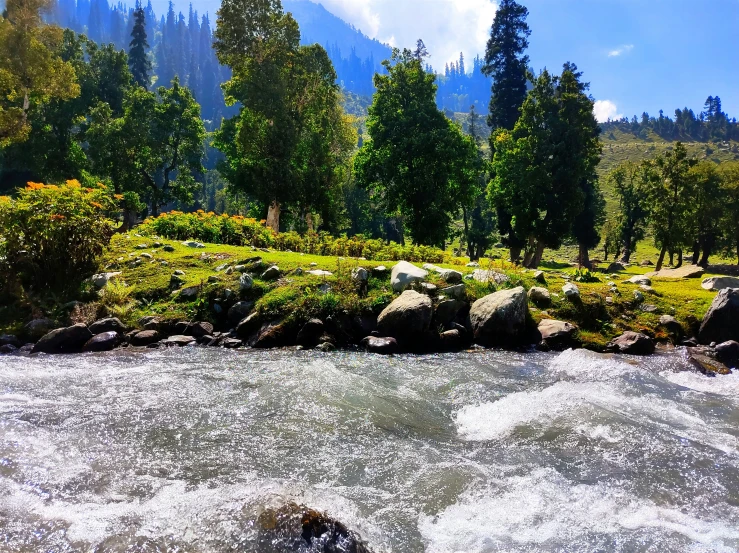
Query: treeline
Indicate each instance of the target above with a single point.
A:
(688, 205)
(711, 124)
(458, 89)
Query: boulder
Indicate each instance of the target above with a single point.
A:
(199, 329)
(451, 340)
(360, 275)
(540, 296)
(110, 324)
(178, 340)
(104, 341)
(638, 296)
(176, 281)
(326, 347)
(275, 334)
(248, 326)
(557, 335)
(319, 273)
(379, 272)
(363, 324)
(456, 291)
(38, 327)
(245, 282)
(615, 267)
(472, 264)
(271, 273)
(721, 323)
(720, 282)
(168, 248)
(686, 271)
(9, 340)
(481, 275)
(634, 343)
(101, 279)
(499, 319)
(144, 338)
(671, 326)
(702, 359)
(640, 279)
(310, 334)
(385, 346)
(570, 291)
(539, 277)
(231, 343)
(64, 340)
(6, 349)
(239, 311)
(728, 353)
(193, 244)
(404, 273)
(190, 292)
(407, 318)
(446, 311)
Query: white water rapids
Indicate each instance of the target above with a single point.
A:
(180, 450)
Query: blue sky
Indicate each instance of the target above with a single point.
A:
(638, 55)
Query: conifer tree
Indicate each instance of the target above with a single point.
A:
(137, 60)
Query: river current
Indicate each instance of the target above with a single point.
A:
(182, 449)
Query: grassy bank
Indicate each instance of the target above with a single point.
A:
(144, 288)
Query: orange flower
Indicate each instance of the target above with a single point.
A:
(52, 186)
(262, 221)
(35, 185)
(95, 204)
(73, 183)
(56, 217)
(162, 215)
(118, 196)
(101, 185)
(88, 190)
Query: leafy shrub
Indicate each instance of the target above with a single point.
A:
(51, 236)
(243, 231)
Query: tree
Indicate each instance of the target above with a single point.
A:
(479, 219)
(506, 63)
(137, 58)
(31, 73)
(289, 145)
(587, 224)
(729, 173)
(540, 166)
(706, 210)
(155, 148)
(671, 197)
(631, 183)
(417, 160)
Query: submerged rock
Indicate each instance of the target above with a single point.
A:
(721, 323)
(298, 528)
(404, 274)
(633, 343)
(64, 340)
(383, 345)
(499, 319)
(703, 360)
(728, 353)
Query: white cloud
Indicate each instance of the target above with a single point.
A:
(446, 26)
(623, 49)
(605, 110)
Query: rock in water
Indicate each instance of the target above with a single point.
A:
(728, 353)
(557, 335)
(384, 346)
(310, 334)
(104, 341)
(499, 319)
(144, 338)
(703, 361)
(404, 273)
(634, 343)
(64, 340)
(721, 323)
(407, 318)
(719, 283)
(110, 324)
(178, 340)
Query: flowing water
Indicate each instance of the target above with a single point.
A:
(181, 450)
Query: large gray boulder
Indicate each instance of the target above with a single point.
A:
(144, 338)
(407, 318)
(499, 319)
(540, 296)
(721, 323)
(481, 275)
(686, 271)
(64, 340)
(720, 282)
(557, 335)
(404, 274)
(104, 341)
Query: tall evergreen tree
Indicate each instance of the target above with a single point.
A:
(506, 63)
(137, 59)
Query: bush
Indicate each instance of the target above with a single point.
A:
(242, 231)
(51, 236)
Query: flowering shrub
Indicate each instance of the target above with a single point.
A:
(51, 235)
(243, 231)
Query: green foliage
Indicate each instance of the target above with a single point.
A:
(137, 59)
(730, 218)
(209, 227)
(631, 183)
(417, 162)
(506, 63)
(584, 275)
(51, 236)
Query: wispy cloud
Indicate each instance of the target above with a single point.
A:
(623, 49)
(605, 110)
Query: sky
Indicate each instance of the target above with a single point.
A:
(638, 55)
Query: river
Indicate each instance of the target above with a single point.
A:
(182, 449)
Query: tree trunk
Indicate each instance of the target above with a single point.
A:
(696, 252)
(707, 251)
(309, 221)
(627, 255)
(273, 216)
(672, 258)
(538, 253)
(466, 234)
(516, 254)
(129, 221)
(679, 258)
(583, 257)
(661, 259)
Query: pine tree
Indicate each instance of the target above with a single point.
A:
(137, 60)
(506, 63)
